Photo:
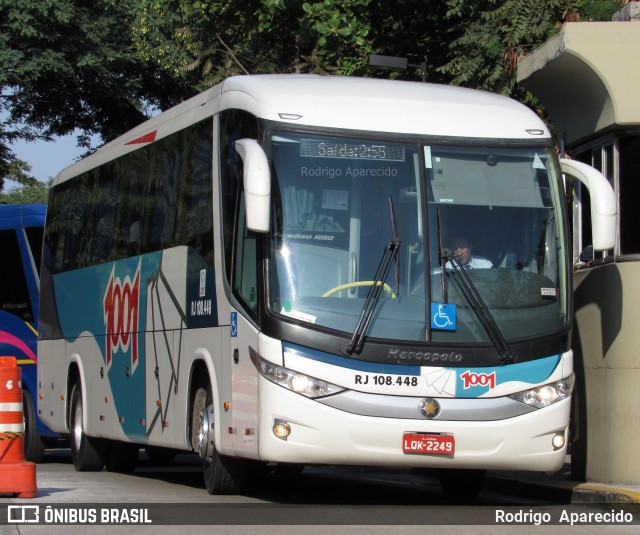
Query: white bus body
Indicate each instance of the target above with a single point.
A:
(210, 283)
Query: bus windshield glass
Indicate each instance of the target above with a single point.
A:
(341, 203)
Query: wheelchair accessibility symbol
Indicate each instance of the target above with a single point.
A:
(234, 325)
(444, 317)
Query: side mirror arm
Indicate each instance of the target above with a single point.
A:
(603, 202)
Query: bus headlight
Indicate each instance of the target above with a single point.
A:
(299, 383)
(545, 395)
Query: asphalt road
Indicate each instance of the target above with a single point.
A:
(162, 499)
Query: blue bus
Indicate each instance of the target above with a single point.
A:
(21, 231)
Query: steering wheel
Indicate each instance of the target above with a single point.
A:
(358, 284)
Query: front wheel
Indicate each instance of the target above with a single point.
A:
(87, 453)
(222, 474)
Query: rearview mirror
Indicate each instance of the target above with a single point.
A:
(257, 184)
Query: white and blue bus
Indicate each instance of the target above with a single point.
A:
(271, 271)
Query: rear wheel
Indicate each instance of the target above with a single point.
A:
(88, 453)
(222, 474)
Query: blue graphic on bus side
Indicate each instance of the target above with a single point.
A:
(109, 302)
(126, 306)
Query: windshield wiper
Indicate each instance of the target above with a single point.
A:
(473, 296)
(443, 260)
(390, 257)
(482, 311)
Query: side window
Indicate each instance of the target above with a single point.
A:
(79, 210)
(103, 213)
(155, 198)
(628, 194)
(194, 224)
(14, 293)
(35, 236)
(245, 272)
(234, 125)
(55, 237)
(601, 156)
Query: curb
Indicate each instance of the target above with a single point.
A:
(591, 492)
(565, 491)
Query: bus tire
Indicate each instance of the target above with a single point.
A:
(122, 457)
(461, 484)
(33, 445)
(222, 474)
(87, 453)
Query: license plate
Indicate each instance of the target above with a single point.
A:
(428, 444)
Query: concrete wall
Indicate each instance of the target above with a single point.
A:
(586, 77)
(606, 424)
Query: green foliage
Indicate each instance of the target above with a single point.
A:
(599, 10)
(220, 39)
(69, 64)
(18, 171)
(342, 30)
(465, 43)
(488, 36)
(28, 192)
(101, 66)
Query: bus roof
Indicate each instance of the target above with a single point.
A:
(381, 106)
(341, 102)
(22, 215)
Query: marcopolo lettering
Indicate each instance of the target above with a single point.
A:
(427, 356)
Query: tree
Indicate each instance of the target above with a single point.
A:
(219, 39)
(214, 40)
(488, 36)
(475, 44)
(102, 66)
(71, 64)
(10, 167)
(28, 190)
(27, 193)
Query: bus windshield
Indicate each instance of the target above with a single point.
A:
(490, 210)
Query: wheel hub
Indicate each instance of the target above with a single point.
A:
(205, 433)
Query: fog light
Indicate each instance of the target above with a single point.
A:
(558, 441)
(281, 430)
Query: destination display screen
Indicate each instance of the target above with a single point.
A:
(355, 151)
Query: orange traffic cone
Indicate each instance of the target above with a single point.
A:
(17, 476)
